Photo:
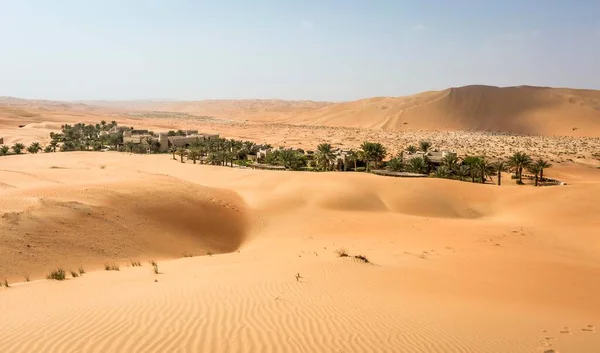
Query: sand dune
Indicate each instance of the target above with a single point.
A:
(73, 216)
(527, 110)
(523, 110)
(456, 267)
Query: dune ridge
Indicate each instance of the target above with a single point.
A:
(543, 111)
(51, 223)
(524, 110)
(455, 267)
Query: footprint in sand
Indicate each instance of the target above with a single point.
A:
(589, 328)
(566, 330)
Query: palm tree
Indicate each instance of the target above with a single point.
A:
(4, 150)
(486, 169)
(324, 156)
(181, 152)
(517, 162)
(472, 162)
(411, 149)
(499, 167)
(18, 148)
(366, 153)
(450, 161)
(424, 145)
(395, 164)
(34, 148)
(535, 169)
(287, 157)
(442, 172)
(463, 171)
(53, 145)
(353, 156)
(543, 165)
(194, 154)
(379, 153)
(416, 165)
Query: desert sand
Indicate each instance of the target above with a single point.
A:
(248, 259)
(523, 110)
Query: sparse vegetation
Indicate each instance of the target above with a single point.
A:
(111, 267)
(74, 274)
(135, 263)
(6, 283)
(4, 149)
(341, 253)
(18, 148)
(344, 253)
(81, 271)
(154, 266)
(362, 258)
(58, 275)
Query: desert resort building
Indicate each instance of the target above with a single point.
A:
(184, 138)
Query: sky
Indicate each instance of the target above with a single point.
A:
(323, 50)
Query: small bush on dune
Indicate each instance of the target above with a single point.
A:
(136, 264)
(342, 253)
(74, 274)
(81, 271)
(362, 258)
(111, 267)
(6, 283)
(58, 274)
(155, 266)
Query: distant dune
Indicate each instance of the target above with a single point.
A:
(523, 109)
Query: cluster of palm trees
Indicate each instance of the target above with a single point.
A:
(475, 168)
(82, 137)
(371, 153)
(78, 137)
(216, 151)
(18, 148)
(221, 151)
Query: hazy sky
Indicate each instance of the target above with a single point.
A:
(291, 49)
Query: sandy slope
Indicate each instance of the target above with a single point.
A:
(457, 267)
(523, 109)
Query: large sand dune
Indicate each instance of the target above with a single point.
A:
(523, 110)
(90, 215)
(456, 267)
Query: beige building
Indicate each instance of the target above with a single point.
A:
(166, 141)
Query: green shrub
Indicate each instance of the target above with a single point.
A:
(58, 275)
